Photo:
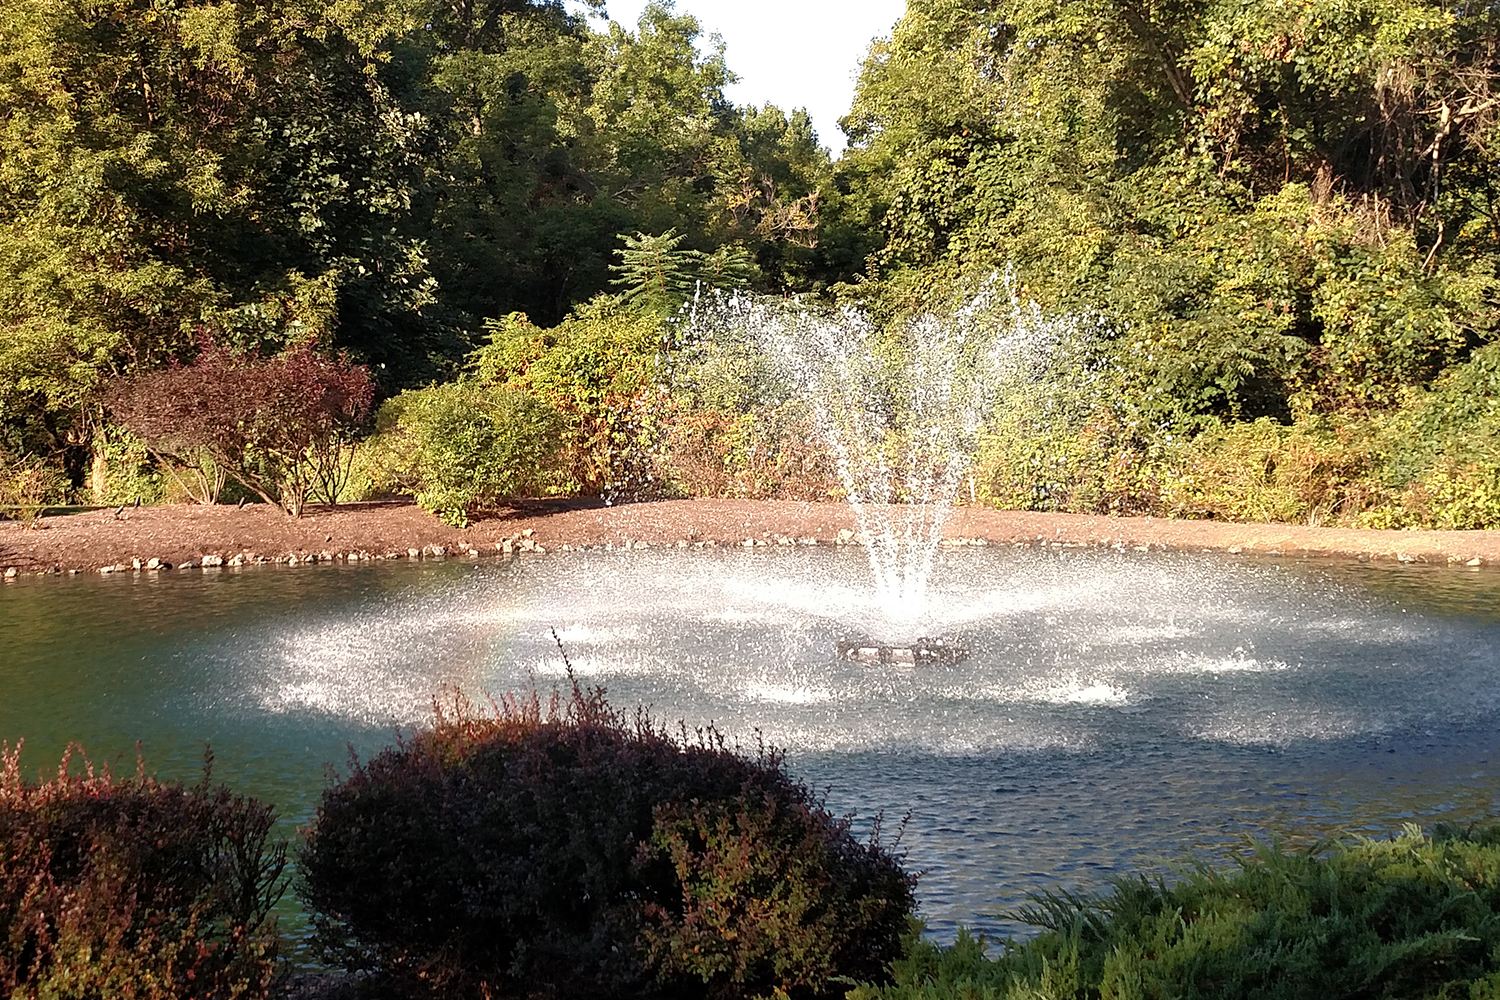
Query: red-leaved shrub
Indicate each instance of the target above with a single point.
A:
(571, 851)
(134, 889)
(275, 424)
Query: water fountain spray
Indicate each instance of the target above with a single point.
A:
(900, 412)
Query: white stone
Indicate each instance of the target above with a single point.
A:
(212, 560)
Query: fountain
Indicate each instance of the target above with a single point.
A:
(900, 414)
(1081, 713)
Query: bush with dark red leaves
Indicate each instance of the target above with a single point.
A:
(134, 889)
(275, 424)
(572, 851)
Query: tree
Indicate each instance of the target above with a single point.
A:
(1243, 189)
(246, 165)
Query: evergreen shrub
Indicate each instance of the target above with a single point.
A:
(570, 851)
(134, 889)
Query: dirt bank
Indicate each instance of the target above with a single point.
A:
(183, 536)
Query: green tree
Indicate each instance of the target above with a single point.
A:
(245, 166)
(1280, 205)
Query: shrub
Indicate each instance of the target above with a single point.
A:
(134, 889)
(1413, 917)
(29, 486)
(1442, 451)
(599, 369)
(1307, 473)
(573, 852)
(272, 423)
(464, 446)
(122, 470)
(765, 454)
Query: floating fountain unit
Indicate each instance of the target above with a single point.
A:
(924, 651)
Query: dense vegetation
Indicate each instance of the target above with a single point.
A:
(1280, 219)
(570, 851)
(1415, 917)
(134, 888)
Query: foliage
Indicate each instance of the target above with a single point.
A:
(657, 275)
(1411, 917)
(765, 453)
(122, 470)
(272, 423)
(573, 851)
(1280, 210)
(777, 898)
(654, 271)
(246, 164)
(463, 446)
(29, 486)
(134, 888)
(1249, 192)
(599, 369)
(1263, 471)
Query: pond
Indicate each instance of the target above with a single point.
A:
(1116, 711)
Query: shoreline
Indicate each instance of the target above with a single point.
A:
(189, 536)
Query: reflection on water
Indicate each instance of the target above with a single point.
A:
(1116, 710)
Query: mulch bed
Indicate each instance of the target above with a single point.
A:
(184, 536)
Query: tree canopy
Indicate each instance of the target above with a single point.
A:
(1279, 210)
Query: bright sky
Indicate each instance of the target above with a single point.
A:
(790, 53)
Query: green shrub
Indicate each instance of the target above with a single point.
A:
(29, 486)
(1412, 918)
(573, 852)
(599, 368)
(122, 470)
(1262, 471)
(134, 889)
(1441, 451)
(464, 446)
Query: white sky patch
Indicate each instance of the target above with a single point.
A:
(790, 53)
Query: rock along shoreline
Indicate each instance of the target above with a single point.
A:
(175, 538)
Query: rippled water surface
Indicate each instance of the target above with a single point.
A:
(1116, 712)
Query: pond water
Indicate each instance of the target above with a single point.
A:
(1117, 711)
